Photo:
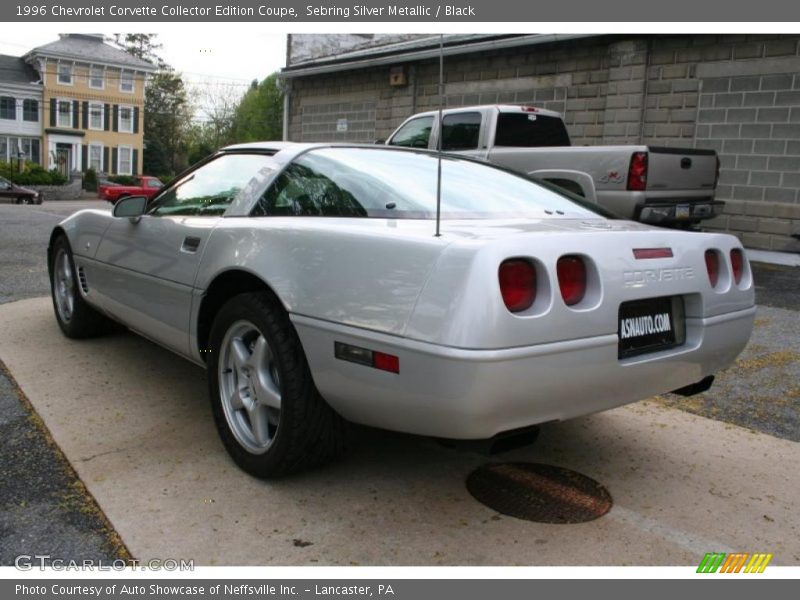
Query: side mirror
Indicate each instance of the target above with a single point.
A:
(379, 141)
(132, 207)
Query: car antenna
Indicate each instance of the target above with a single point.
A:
(439, 137)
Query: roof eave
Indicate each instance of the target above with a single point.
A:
(35, 53)
(333, 64)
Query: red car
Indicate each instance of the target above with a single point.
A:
(18, 194)
(147, 187)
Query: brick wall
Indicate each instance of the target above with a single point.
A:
(737, 94)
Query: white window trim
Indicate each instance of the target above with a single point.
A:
(133, 82)
(102, 116)
(71, 74)
(119, 160)
(102, 85)
(119, 118)
(89, 157)
(58, 113)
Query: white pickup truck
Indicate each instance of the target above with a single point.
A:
(658, 185)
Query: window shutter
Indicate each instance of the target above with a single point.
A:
(107, 117)
(135, 120)
(76, 109)
(85, 156)
(115, 119)
(105, 159)
(135, 162)
(86, 115)
(114, 161)
(53, 112)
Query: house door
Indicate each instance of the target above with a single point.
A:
(64, 159)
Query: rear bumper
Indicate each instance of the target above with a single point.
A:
(671, 213)
(475, 394)
(661, 207)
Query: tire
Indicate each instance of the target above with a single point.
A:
(76, 318)
(268, 412)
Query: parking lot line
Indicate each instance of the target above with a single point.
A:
(134, 422)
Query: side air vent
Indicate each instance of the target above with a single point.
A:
(82, 279)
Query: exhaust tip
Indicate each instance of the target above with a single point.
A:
(695, 388)
(502, 442)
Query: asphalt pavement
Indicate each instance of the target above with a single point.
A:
(45, 508)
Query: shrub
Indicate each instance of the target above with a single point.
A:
(90, 180)
(123, 179)
(31, 174)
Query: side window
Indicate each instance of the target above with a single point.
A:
(461, 131)
(307, 188)
(414, 134)
(208, 190)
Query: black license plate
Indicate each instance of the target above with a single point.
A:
(650, 325)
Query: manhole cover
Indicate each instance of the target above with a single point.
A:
(537, 492)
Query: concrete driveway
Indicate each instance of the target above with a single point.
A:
(134, 422)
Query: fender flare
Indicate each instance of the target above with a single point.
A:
(580, 178)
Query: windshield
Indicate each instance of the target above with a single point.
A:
(362, 182)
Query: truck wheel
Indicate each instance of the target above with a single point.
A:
(75, 317)
(269, 415)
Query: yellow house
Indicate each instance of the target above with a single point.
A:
(92, 105)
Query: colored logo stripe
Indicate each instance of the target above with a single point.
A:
(733, 563)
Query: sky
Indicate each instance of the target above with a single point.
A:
(222, 55)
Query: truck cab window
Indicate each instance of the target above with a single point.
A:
(522, 130)
(461, 131)
(414, 134)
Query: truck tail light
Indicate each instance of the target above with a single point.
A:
(517, 283)
(737, 263)
(571, 272)
(637, 172)
(712, 266)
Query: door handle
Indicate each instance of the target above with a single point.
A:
(190, 244)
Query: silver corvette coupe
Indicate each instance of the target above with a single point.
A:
(310, 283)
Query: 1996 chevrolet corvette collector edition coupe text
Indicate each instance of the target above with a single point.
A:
(309, 281)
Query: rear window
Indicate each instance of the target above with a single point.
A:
(361, 182)
(530, 129)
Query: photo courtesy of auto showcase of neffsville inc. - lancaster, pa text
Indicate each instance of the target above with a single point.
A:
(397, 304)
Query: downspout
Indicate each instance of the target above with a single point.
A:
(645, 90)
(287, 92)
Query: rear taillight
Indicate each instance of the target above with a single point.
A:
(517, 284)
(571, 272)
(712, 266)
(637, 172)
(737, 264)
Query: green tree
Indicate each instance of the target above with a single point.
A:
(141, 45)
(167, 116)
(167, 112)
(259, 115)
